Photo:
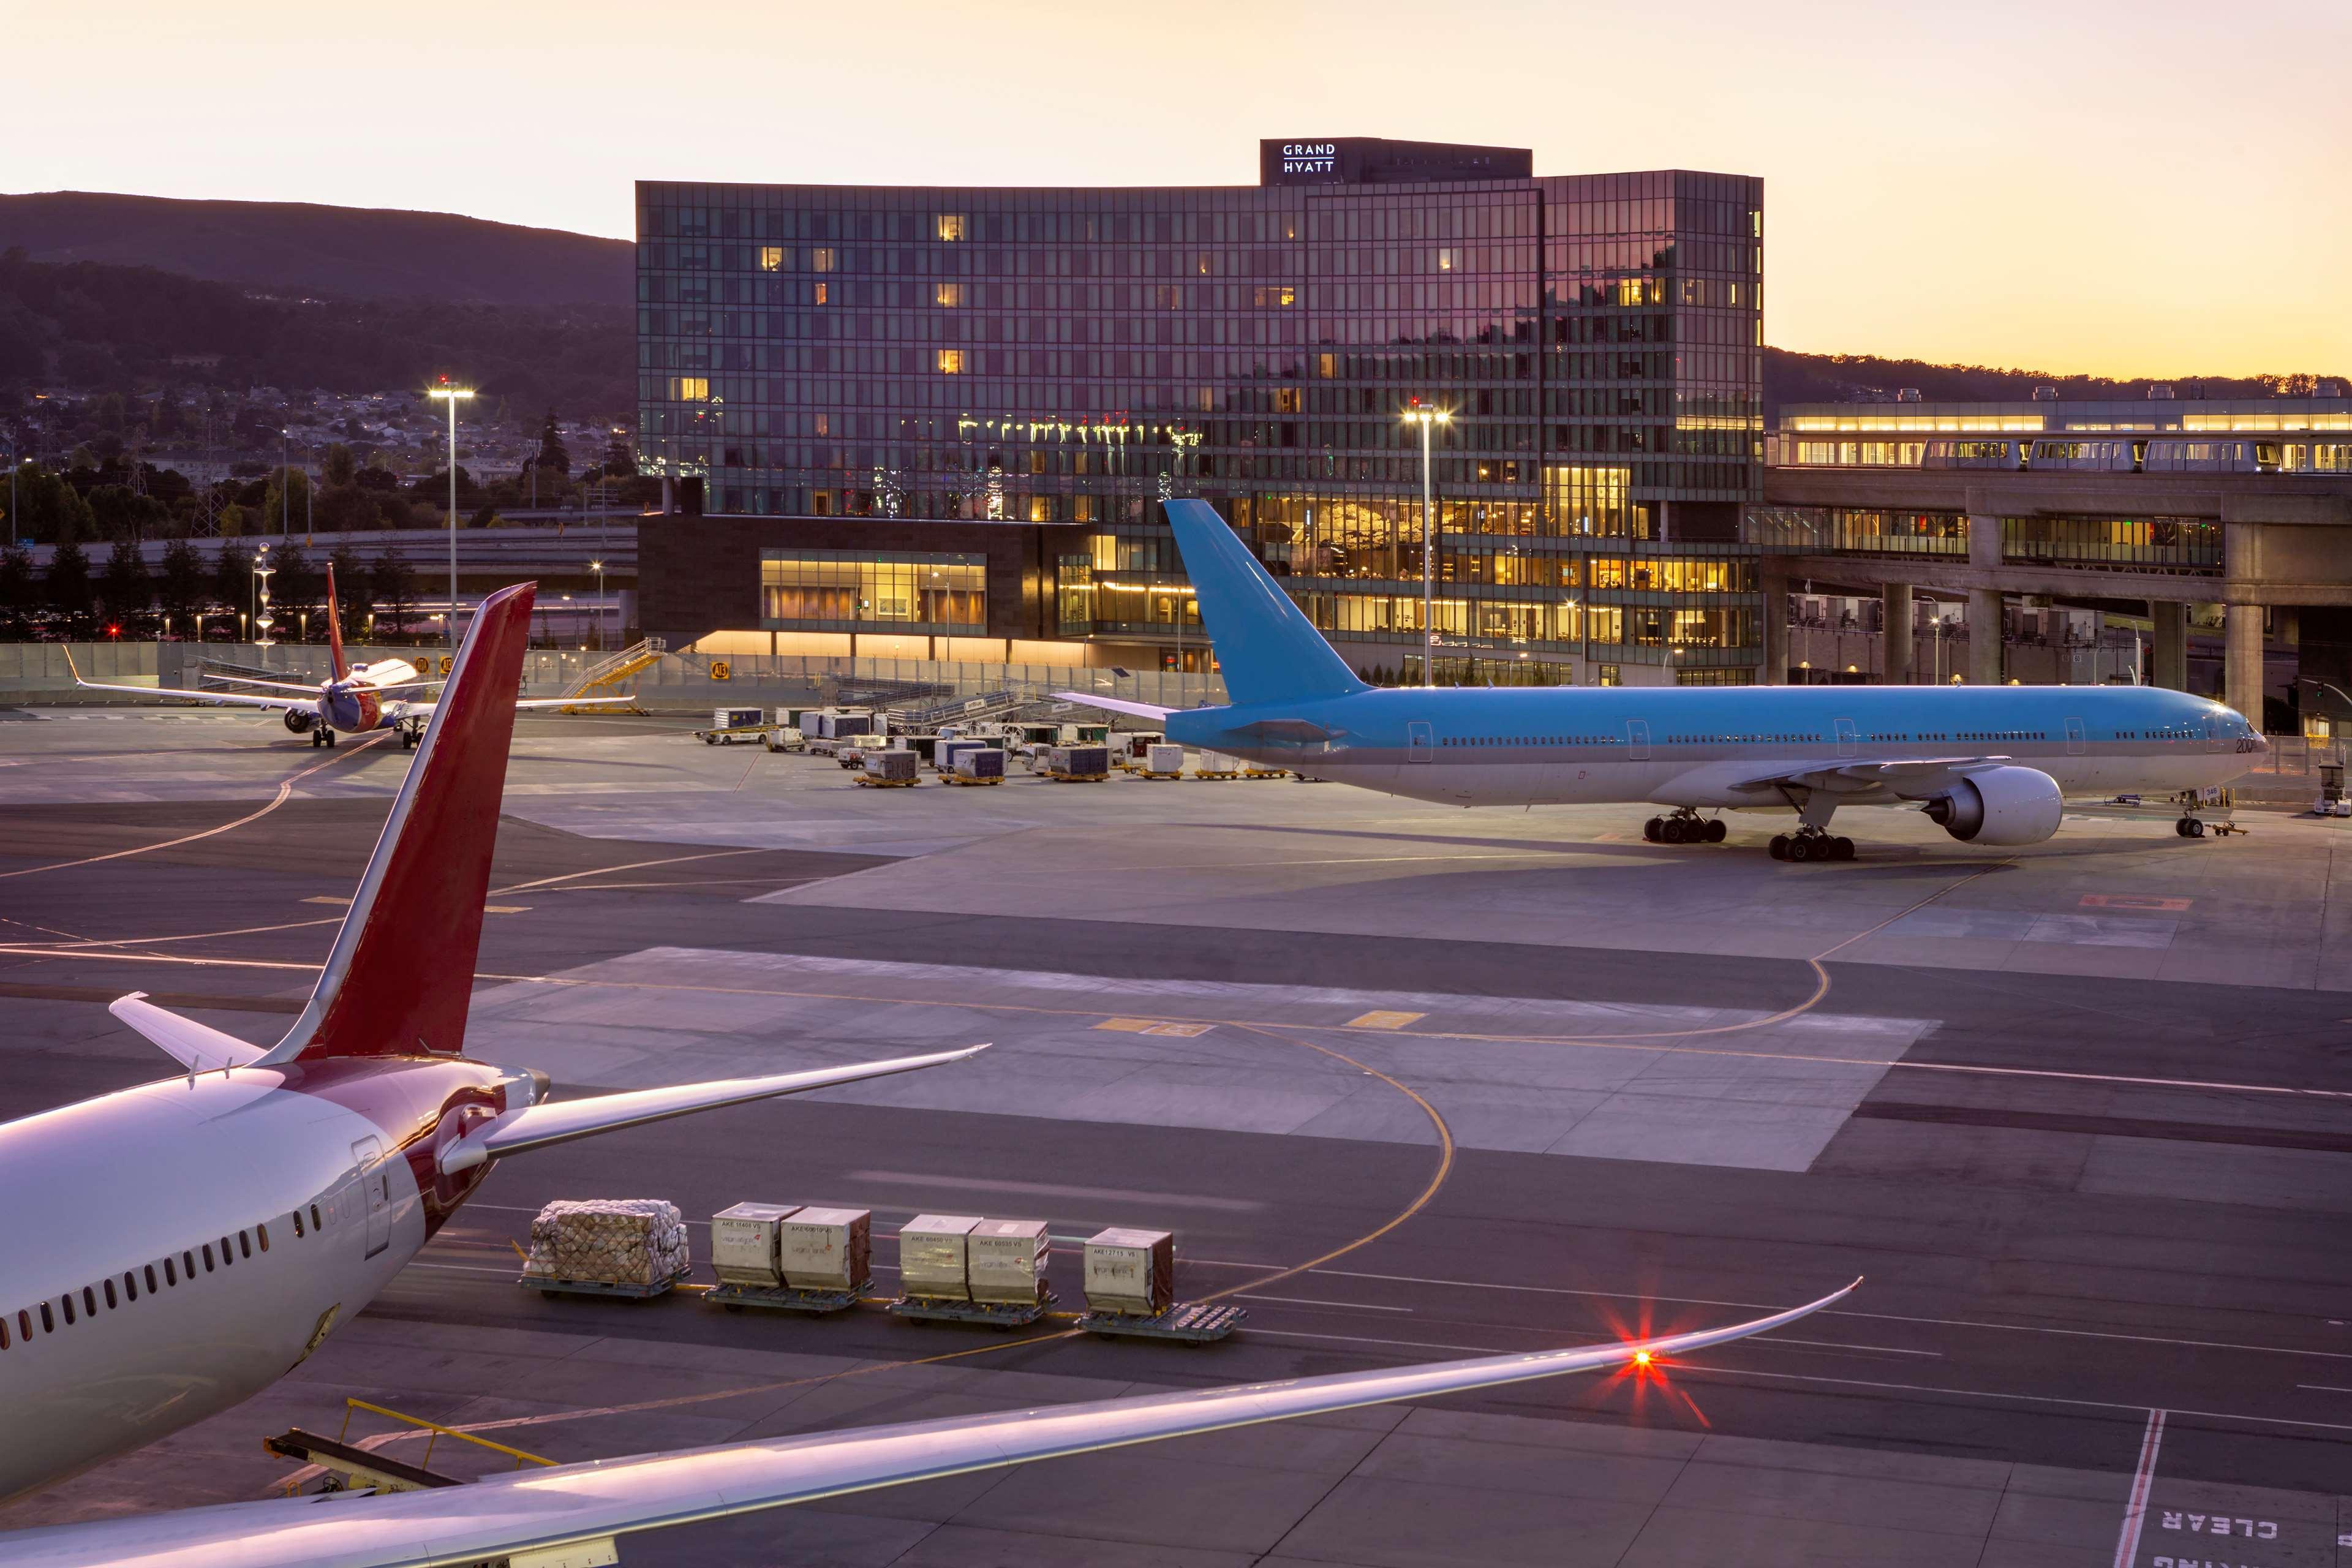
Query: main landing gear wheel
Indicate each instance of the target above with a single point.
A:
(1804, 847)
(1682, 827)
(2189, 827)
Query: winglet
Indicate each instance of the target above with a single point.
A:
(398, 979)
(197, 1047)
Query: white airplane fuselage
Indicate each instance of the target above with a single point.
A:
(195, 1172)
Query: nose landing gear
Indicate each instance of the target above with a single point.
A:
(323, 735)
(1684, 826)
(2189, 827)
(1810, 843)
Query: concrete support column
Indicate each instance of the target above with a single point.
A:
(1984, 635)
(1984, 540)
(2242, 663)
(1899, 643)
(2168, 664)
(1775, 671)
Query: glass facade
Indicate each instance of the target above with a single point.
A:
(1078, 356)
(842, 590)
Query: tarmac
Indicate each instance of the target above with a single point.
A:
(1409, 1082)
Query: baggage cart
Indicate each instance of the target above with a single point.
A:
(1217, 765)
(1192, 1322)
(550, 1285)
(989, 1314)
(729, 725)
(787, 1298)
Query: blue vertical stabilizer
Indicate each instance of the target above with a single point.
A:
(1269, 651)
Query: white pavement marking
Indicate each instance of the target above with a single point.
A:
(2151, 1443)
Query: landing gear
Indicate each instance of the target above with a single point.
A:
(1810, 843)
(1684, 826)
(2189, 827)
(322, 736)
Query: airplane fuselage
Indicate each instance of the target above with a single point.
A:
(174, 1248)
(1695, 746)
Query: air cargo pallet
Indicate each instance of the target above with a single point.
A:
(1194, 1322)
(1263, 773)
(874, 783)
(1215, 774)
(960, 779)
(784, 1297)
(1076, 778)
(993, 1314)
(553, 1287)
(1150, 774)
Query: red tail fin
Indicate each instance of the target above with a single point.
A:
(402, 971)
(335, 624)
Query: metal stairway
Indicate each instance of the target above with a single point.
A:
(607, 674)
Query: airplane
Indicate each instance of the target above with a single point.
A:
(353, 699)
(175, 1248)
(305, 1176)
(1990, 765)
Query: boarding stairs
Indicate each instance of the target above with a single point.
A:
(597, 683)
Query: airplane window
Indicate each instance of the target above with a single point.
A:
(110, 1298)
(3, 1333)
(227, 1257)
(208, 1258)
(69, 1306)
(188, 1264)
(24, 1324)
(150, 1277)
(89, 1302)
(130, 1284)
(297, 1224)
(263, 1232)
(171, 1275)
(48, 1324)
(243, 1244)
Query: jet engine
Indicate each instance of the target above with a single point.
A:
(2000, 806)
(300, 720)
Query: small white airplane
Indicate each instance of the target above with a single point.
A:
(173, 1250)
(353, 699)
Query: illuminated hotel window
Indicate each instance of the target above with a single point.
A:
(822, 260)
(821, 294)
(1449, 258)
(948, 294)
(1275, 295)
(689, 388)
(772, 258)
(948, 227)
(951, 362)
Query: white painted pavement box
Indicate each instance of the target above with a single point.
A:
(1007, 1260)
(1131, 1272)
(932, 1249)
(743, 1243)
(827, 1249)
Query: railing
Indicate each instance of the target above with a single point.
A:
(606, 674)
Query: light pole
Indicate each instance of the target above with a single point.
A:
(452, 395)
(285, 483)
(262, 621)
(599, 565)
(1421, 414)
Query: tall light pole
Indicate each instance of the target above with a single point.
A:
(1428, 418)
(599, 565)
(285, 483)
(262, 620)
(452, 395)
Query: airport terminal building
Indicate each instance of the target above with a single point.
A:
(937, 422)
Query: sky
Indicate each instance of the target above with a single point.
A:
(2158, 188)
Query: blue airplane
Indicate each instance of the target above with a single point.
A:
(1989, 764)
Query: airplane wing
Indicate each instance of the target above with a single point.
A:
(268, 685)
(575, 1513)
(1908, 777)
(543, 1126)
(425, 710)
(1114, 705)
(199, 1047)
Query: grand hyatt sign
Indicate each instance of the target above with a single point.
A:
(1376, 161)
(1318, 162)
(1308, 159)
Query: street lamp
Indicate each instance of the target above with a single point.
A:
(599, 566)
(1421, 413)
(452, 395)
(262, 572)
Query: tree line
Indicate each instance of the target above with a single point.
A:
(188, 596)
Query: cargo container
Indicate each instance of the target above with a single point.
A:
(1007, 1260)
(607, 1245)
(735, 718)
(1078, 763)
(743, 1243)
(890, 767)
(827, 1249)
(1163, 761)
(841, 723)
(985, 765)
(944, 755)
(932, 1253)
(1131, 1272)
(1217, 765)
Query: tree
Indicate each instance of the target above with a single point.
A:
(230, 523)
(286, 505)
(340, 467)
(180, 584)
(295, 592)
(65, 590)
(395, 588)
(551, 454)
(487, 517)
(49, 509)
(233, 576)
(353, 596)
(119, 512)
(123, 588)
(19, 593)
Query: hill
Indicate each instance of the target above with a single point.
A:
(1793, 377)
(357, 253)
(95, 328)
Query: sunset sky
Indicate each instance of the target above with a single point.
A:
(2151, 188)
